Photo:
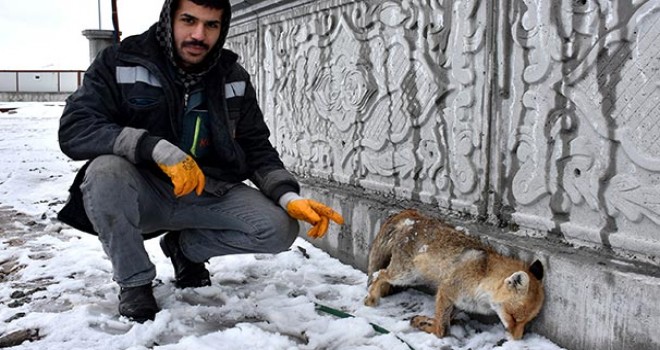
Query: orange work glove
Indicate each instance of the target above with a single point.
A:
(186, 176)
(315, 213)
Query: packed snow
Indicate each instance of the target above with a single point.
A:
(57, 292)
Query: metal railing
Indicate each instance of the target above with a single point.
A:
(55, 81)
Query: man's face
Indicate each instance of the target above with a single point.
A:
(196, 30)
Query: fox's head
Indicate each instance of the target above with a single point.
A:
(520, 299)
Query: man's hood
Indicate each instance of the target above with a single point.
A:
(166, 41)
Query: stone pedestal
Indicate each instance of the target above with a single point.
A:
(99, 39)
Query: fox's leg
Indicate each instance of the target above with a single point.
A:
(380, 287)
(514, 329)
(437, 325)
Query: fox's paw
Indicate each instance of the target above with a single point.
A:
(422, 322)
(370, 301)
(427, 324)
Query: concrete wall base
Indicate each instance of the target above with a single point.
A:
(594, 300)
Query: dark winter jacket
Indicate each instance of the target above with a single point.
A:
(130, 99)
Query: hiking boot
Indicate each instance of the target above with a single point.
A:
(138, 303)
(186, 273)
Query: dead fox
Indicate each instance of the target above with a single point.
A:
(415, 250)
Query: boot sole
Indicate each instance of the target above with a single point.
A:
(140, 319)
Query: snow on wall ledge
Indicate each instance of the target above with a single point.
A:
(541, 116)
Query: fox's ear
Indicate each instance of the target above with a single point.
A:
(518, 282)
(537, 270)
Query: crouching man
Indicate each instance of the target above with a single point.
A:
(170, 125)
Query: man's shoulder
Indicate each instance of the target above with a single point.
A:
(229, 64)
(228, 56)
(141, 44)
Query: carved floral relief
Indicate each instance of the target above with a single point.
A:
(360, 94)
(586, 135)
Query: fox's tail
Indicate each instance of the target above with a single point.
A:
(380, 252)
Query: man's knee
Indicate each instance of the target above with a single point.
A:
(108, 186)
(107, 165)
(110, 174)
(286, 230)
(291, 235)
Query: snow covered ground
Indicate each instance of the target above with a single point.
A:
(56, 287)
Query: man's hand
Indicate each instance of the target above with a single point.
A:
(181, 168)
(315, 213)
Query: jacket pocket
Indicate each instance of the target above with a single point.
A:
(139, 97)
(144, 107)
(143, 102)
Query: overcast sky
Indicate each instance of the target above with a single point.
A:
(47, 34)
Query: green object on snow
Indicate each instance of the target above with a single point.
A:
(342, 314)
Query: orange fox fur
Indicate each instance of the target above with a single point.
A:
(415, 250)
